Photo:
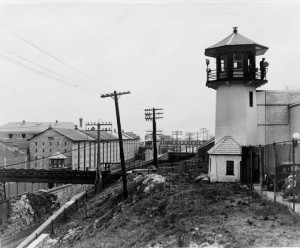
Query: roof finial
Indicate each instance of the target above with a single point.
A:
(235, 29)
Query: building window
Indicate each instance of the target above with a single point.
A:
(229, 167)
(251, 99)
(50, 138)
(35, 157)
(65, 143)
(43, 143)
(65, 150)
(10, 135)
(50, 143)
(36, 143)
(23, 135)
(57, 143)
(50, 150)
(35, 150)
(43, 150)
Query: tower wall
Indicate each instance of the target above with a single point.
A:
(234, 115)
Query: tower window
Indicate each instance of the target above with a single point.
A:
(251, 99)
(229, 167)
(238, 61)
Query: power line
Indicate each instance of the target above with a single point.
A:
(36, 71)
(52, 56)
(40, 66)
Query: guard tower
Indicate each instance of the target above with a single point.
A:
(235, 78)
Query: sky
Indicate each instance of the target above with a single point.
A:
(58, 57)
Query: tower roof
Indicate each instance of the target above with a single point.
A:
(234, 40)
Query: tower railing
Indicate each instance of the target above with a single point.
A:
(225, 74)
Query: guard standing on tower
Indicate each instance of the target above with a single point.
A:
(262, 69)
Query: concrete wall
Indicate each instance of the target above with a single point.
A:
(217, 168)
(3, 211)
(234, 116)
(294, 114)
(277, 120)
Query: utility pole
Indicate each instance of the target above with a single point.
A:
(115, 96)
(98, 125)
(153, 116)
(202, 131)
(176, 133)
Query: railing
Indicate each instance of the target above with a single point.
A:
(213, 75)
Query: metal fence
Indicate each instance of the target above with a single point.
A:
(276, 167)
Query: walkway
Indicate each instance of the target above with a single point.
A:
(270, 195)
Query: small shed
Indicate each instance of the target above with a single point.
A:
(224, 161)
(57, 160)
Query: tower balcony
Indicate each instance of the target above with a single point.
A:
(216, 78)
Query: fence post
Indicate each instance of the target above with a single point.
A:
(86, 195)
(76, 203)
(52, 227)
(294, 143)
(274, 182)
(65, 213)
(251, 185)
(86, 215)
(260, 169)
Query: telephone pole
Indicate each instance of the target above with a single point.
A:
(98, 125)
(153, 116)
(203, 131)
(176, 133)
(115, 96)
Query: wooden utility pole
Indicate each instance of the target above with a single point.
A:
(176, 133)
(115, 97)
(98, 170)
(153, 116)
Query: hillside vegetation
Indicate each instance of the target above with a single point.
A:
(174, 210)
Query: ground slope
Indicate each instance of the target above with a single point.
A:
(179, 213)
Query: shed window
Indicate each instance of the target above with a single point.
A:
(229, 167)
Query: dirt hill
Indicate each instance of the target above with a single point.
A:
(173, 210)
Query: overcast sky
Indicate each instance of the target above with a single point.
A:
(154, 49)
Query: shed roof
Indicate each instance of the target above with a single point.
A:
(226, 146)
(57, 155)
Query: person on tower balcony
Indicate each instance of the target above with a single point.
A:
(262, 69)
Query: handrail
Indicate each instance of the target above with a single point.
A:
(214, 75)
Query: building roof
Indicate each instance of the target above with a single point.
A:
(72, 134)
(104, 135)
(34, 127)
(226, 146)
(235, 39)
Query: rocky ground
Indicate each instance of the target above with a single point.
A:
(172, 209)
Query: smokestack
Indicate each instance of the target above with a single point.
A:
(80, 122)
